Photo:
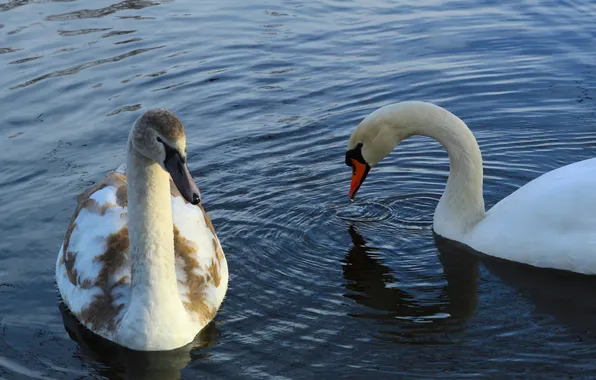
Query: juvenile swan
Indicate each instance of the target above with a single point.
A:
(141, 264)
(550, 222)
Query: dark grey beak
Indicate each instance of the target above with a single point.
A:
(182, 178)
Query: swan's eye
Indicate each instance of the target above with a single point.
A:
(349, 158)
(355, 154)
(159, 140)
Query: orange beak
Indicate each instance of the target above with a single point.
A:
(359, 172)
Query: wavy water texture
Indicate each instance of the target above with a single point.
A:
(269, 93)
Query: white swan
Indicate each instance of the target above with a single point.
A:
(550, 222)
(141, 264)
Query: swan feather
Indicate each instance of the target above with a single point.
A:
(93, 269)
(549, 222)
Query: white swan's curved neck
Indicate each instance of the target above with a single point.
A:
(462, 205)
(153, 274)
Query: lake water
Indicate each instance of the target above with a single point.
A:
(269, 92)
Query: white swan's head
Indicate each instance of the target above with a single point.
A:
(381, 131)
(159, 136)
(375, 137)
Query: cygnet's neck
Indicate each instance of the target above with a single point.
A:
(154, 293)
(461, 206)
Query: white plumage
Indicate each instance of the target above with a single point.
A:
(550, 222)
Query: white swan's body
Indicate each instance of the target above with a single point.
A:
(141, 266)
(550, 222)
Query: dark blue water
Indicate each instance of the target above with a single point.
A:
(269, 92)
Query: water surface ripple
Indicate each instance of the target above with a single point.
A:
(269, 93)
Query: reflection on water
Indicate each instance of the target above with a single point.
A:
(568, 297)
(136, 365)
(403, 318)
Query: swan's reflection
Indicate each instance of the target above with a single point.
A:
(118, 362)
(403, 318)
(568, 297)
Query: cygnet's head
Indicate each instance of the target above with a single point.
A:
(159, 136)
